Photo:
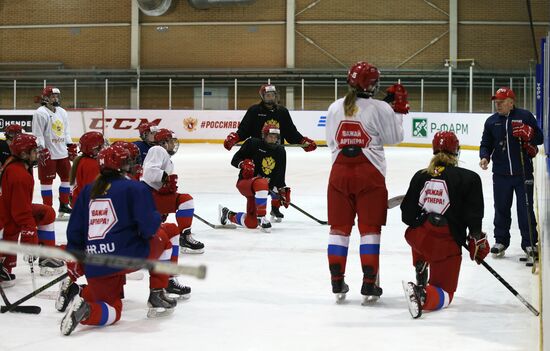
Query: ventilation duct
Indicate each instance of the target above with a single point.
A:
(154, 7)
(205, 4)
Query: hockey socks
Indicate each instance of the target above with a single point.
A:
(64, 192)
(184, 213)
(436, 298)
(337, 255)
(47, 194)
(369, 251)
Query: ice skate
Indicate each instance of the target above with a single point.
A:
(64, 212)
(421, 269)
(223, 213)
(159, 304)
(531, 256)
(371, 293)
(77, 311)
(276, 215)
(264, 224)
(7, 279)
(50, 266)
(176, 288)
(189, 245)
(339, 289)
(67, 291)
(498, 250)
(414, 296)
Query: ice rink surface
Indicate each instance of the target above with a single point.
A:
(272, 291)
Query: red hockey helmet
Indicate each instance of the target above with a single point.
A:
(145, 127)
(271, 129)
(91, 143)
(23, 143)
(267, 98)
(445, 142)
(131, 147)
(364, 77)
(167, 136)
(12, 130)
(114, 158)
(50, 90)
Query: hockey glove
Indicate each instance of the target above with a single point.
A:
(71, 149)
(75, 270)
(44, 156)
(522, 131)
(532, 150)
(398, 101)
(137, 172)
(309, 144)
(284, 196)
(170, 185)
(28, 235)
(231, 140)
(478, 246)
(247, 168)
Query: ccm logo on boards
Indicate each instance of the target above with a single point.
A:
(120, 123)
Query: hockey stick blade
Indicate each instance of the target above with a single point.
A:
(21, 309)
(395, 201)
(121, 262)
(215, 226)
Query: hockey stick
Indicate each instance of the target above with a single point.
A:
(122, 262)
(508, 286)
(14, 307)
(527, 208)
(215, 226)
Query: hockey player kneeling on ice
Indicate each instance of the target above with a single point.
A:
(262, 163)
(442, 201)
(358, 126)
(116, 216)
(158, 173)
(23, 220)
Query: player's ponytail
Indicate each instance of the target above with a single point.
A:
(72, 175)
(349, 102)
(103, 182)
(441, 159)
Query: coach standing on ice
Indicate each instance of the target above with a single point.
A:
(506, 133)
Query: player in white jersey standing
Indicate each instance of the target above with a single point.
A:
(50, 125)
(357, 128)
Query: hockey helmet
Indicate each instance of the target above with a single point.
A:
(364, 77)
(12, 130)
(167, 139)
(132, 149)
(146, 127)
(271, 129)
(445, 142)
(269, 94)
(23, 143)
(91, 143)
(114, 158)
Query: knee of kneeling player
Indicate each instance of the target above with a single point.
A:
(251, 222)
(260, 184)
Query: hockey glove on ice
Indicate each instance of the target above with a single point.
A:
(170, 185)
(231, 140)
(71, 149)
(284, 196)
(44, 156)
(522, 131)
(397, 97)
(478, 246)
(310, 144)
(247, 168)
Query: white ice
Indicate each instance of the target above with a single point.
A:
(272, 291)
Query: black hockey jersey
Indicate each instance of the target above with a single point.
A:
(456, 193)
(4, 151)
(269, 162)
(258, 115)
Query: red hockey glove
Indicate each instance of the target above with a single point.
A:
(310, 144)
(231, 140)
(44, 156)
(247, 168)
(137, 172)
(75, 270)
(532, 150)
(522, 131)
(284, 196)
(478, 246)
(170, 185)
(71, 149)
(398, 101)
(28, 235)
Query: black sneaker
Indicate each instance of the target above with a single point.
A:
(67, 291)
(50, 266)
(7, 279)
(276, 215)
(160, 304)
(188, 244)
(174, 287)
(78, 310)
(421, 269)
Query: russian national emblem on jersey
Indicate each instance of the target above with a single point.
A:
(268, 165)
(352, 133)
(57, 127)
(102, 218)
(435, 196)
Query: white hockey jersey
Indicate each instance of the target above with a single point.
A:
(155, 164)
(373, 125)
(52, 130)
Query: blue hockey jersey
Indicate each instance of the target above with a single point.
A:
(143, 149)
(120, 222)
